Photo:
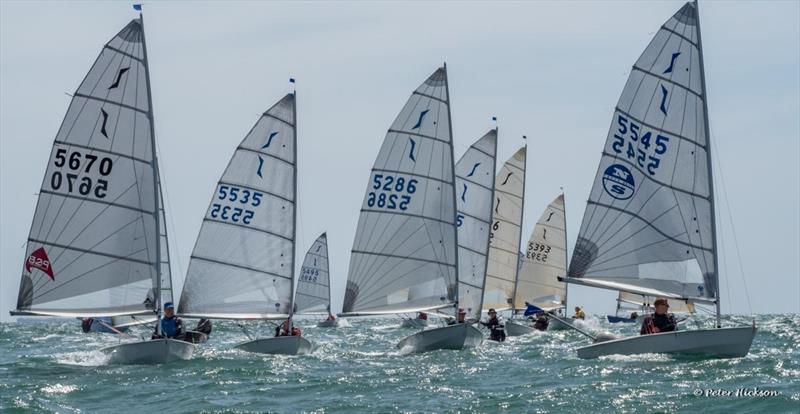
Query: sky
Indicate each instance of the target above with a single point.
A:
(552, 71)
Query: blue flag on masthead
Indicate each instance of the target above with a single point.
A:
(137, 7)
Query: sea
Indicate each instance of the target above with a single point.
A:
(51, 366)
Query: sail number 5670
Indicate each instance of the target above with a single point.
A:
(80, 163)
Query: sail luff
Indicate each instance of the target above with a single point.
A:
(566, 252)
(294, 207)
(710, 169)
(453, 175)
(486, 264)
(156, 187)
(514, 304)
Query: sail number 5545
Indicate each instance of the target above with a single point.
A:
(638, 144)
(391, 192)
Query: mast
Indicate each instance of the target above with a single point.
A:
(710, 168)
(294, 208)
(453, 177)
(566, 253)
(519, 239)
(486, 261)
(155, 178)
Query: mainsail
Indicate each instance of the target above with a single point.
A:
(474, 191)
(509, 192)
(313, 283)
(406, 235)
(649, 223)
(544, 260)
(93, 248)
(243, 260)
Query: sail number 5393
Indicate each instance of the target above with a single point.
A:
(391, 192)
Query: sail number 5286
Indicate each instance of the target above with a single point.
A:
(391, 192)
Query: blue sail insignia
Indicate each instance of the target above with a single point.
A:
(672, 62)
(421, 117)
(411, 151)
(474, 167)
(269, 140)
(663, 99)
(464, 193)
(260, 166)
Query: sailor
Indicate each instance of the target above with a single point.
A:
(579, 313)
(282, 329)
(422, 316)
(460, 317)
(496, 328)
(171, 325)
(661, 321)
(541, 322)
(634, 315)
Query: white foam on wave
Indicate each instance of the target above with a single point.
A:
(82, 358)
(58, 389)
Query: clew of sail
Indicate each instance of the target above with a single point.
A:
(243, 260)
(406, 235)
(648, 227)
(544, 260)
(506, 231)
(313, 284)
(93, 248)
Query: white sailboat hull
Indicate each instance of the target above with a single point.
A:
(717, 343)
(414, 323)
(279, 345)
(556, 325)
(458, 336)
(518, 328)
(156, 351)
(328, 324)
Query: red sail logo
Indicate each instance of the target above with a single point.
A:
(39, 260)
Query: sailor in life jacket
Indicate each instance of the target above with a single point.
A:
(661, 321)
(579, 314)
(285, 330)
(496, 326)
(171, 325)
(461, 316)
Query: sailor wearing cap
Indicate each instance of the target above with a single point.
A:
(661, 321)
(171, 325)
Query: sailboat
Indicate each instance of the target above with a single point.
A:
(313, 296)
(242, 265)
(406, 235)
(96, 245)
(649, 225)
(544, 260)
(639, 305)
(505, 237)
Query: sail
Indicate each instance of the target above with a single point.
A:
(474, 190)
(93, 247)
(166, 269)
(545, 259)
(632, 302)
(243, 260)
(648, 225)
(406, 234)
(504, 238)
(313, 284)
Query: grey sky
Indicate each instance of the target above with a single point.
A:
(550, 70)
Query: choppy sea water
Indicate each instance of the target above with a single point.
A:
(53, 367)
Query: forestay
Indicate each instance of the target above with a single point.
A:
(93, 248)
(406, 235)
(313, 284)
(648, 225)
(474, 191)
(243, 260)
(504, 255)
(544, 260)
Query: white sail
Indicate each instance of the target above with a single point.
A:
(649, 223)
(313, 283)
(406, 234)
(93, 248)
(166, 268)
(545, 259)
(474, 193)
(243, 260)
(509, 192)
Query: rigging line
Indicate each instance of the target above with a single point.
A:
(733, 228)
(724, 262)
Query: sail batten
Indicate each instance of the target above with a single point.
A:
(94, 242)
(649, 221)
(404, 252)
(243, 260)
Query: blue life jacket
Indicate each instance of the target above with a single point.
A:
(170, 326)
